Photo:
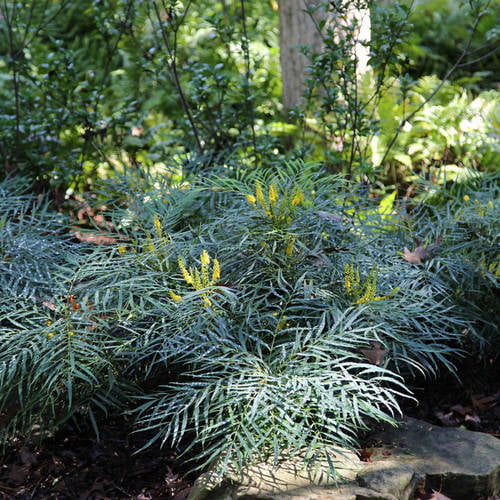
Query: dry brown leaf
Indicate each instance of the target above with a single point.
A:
(463, 410)
(473, 421)
(376, 354)
(366, 454)
(96, 238)
(420, 253)
(446, 419)
(482, 402)
(50, 305)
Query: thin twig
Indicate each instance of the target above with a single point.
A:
(249, 103)
(172, 63)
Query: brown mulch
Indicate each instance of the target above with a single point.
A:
(473, 402)
(74, 465)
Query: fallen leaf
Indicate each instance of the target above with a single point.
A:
(461, 409)
(436, 495)
(375, 354)
(95, 238)
(366, 454)
(49, 304)
(482, 402)
(420, 253)
(472, 421)
(447, 419)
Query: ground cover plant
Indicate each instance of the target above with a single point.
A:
(287, 317)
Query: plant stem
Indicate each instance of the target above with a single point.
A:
(171, 51)
(248, 97)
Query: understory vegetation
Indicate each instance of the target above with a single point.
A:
(244, 283)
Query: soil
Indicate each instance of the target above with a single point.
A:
(75, 465)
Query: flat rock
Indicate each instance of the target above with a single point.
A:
(461, 464)
(267, 481)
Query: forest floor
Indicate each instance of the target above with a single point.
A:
(74, 465)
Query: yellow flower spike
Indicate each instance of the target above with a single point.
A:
(490, 204)
(348, 277)
(298, 197)
(185, 273)
(273, 195)
(50, 335)
(466, 198)
(197, 283)
(259, 194)
(122, 249)
(215, 272)
(71, 333)
(174, 296)
(251, 199)
(205, 261)
(48, 322)
(205, 258)
(158, 226)
(289, 247)
(207, 302)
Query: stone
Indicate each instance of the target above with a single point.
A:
(390, 478)
(267, 481)
(461, 464)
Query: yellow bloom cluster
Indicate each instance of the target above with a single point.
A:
(298, 197)
(199, 278)
(158, 226)
(175, 297)
(271, 205)
(362, 292)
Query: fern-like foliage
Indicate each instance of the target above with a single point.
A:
(250, 317)
(265, 356)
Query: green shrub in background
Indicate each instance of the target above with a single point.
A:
(90, 86)
(439, 28)
(454, 128)
(385, 125)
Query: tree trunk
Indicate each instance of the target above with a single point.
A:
(297, 28)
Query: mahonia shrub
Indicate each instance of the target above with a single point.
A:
(281, 318)
(466, 214)
(55, 360)
(247, 317)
